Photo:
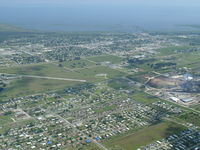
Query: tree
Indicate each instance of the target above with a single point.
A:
(60, 65)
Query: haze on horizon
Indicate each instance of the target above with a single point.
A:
(99, 14)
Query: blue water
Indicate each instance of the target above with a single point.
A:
(104, 18)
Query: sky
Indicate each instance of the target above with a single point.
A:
(38, 3)
(89, 13)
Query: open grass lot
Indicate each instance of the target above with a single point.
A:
(182, 56)
(119, 83)
(75, 64)
(10, 124)
(106, 108)
(190, 117)
(144, 136)
(90, 74)
(5, 119)
(87, 147)
(28, 86)
(190, 60)
(144, 98)
(104, 58)
(171, 50)
(197, 107)
(39, 69)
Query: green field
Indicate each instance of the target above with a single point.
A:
(27, 86)
(197, 107)
(10, 124)
(190, 117)
(190, 60)
(106, 58)
(90, 146)
(52, 70)
(77, 64)
(5, 119)
(106, 108)
(142, 97)
(183, 59)
(171, 50)
(119, 83)
(144, 136)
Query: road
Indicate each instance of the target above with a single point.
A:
(195, 146)
(151, 78)
(146, 91)
(74, 127)
(188, 108)
(45, 77)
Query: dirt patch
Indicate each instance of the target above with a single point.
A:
(163, 81)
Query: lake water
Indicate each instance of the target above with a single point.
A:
(104, 18)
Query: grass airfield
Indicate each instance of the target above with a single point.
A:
(76, 69)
